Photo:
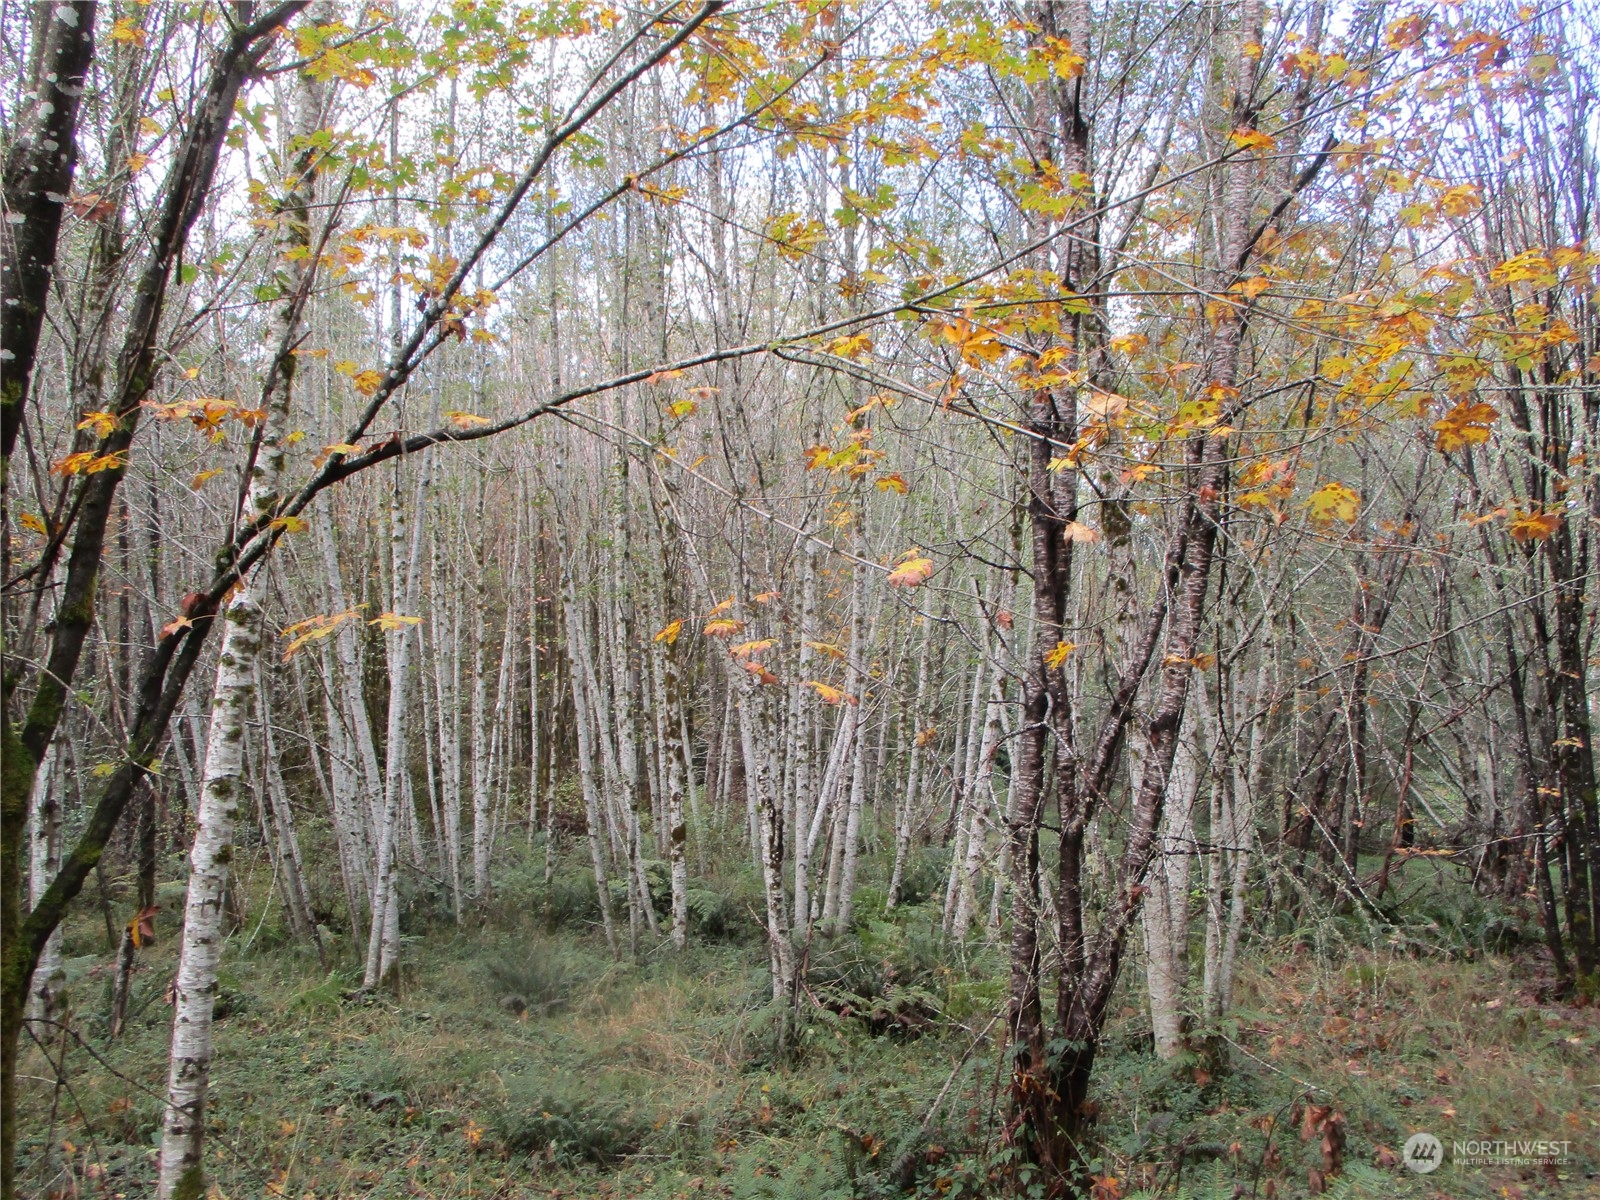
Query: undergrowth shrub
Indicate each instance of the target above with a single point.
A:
(377, 1081)
(325, 996)
(1461, 922)
(425, 903)
(566, 1120)
(711, 914)
(924, 875)
(539, 980)
(886, 975)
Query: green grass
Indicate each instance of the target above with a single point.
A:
(659, 1079)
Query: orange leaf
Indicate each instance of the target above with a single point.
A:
(1467, 424)
(142, 928)
(1534, 526)
(1058, 654)
(177, 623)
(1252, 139)
(102, 423)
(828, 695)
(761, 673)
(911, 573)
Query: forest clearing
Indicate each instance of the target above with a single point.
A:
(834, 598)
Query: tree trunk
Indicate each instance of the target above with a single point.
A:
(182, 1170)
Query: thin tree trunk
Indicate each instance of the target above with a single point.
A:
(182, 1171)
(586, 755)
(1166, 910)
(905, 811)
(44, 860)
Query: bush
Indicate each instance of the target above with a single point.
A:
(378, 1082)
(711, 914)
(566, 1121)
(571, 899)
(425, 903)
(924, 874)
(540, 981)
(324, 996)
(887, 976)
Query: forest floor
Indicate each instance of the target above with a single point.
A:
(524, 1062)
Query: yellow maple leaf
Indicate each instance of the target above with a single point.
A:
(1467, 424)
(913, 572)
(1252, 139)
(827, 648)
(86, 462)
(828, 695)
(1058, 654)
(390, 621)
(669, 633)
(1334, 502)
(1460, 201)
(100, 423)
(850, 345)
(976, 344)
(126, 29)
(311, 629)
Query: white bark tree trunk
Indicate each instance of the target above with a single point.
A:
(906, 810)
(479, 727)
(44, 861)
(1234, 834)
(183, 1141)
(182, 1169)
(979, 804)
(362, 749)
(383, 942)
(800, 737)
(586, 754)
(1166, 907)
